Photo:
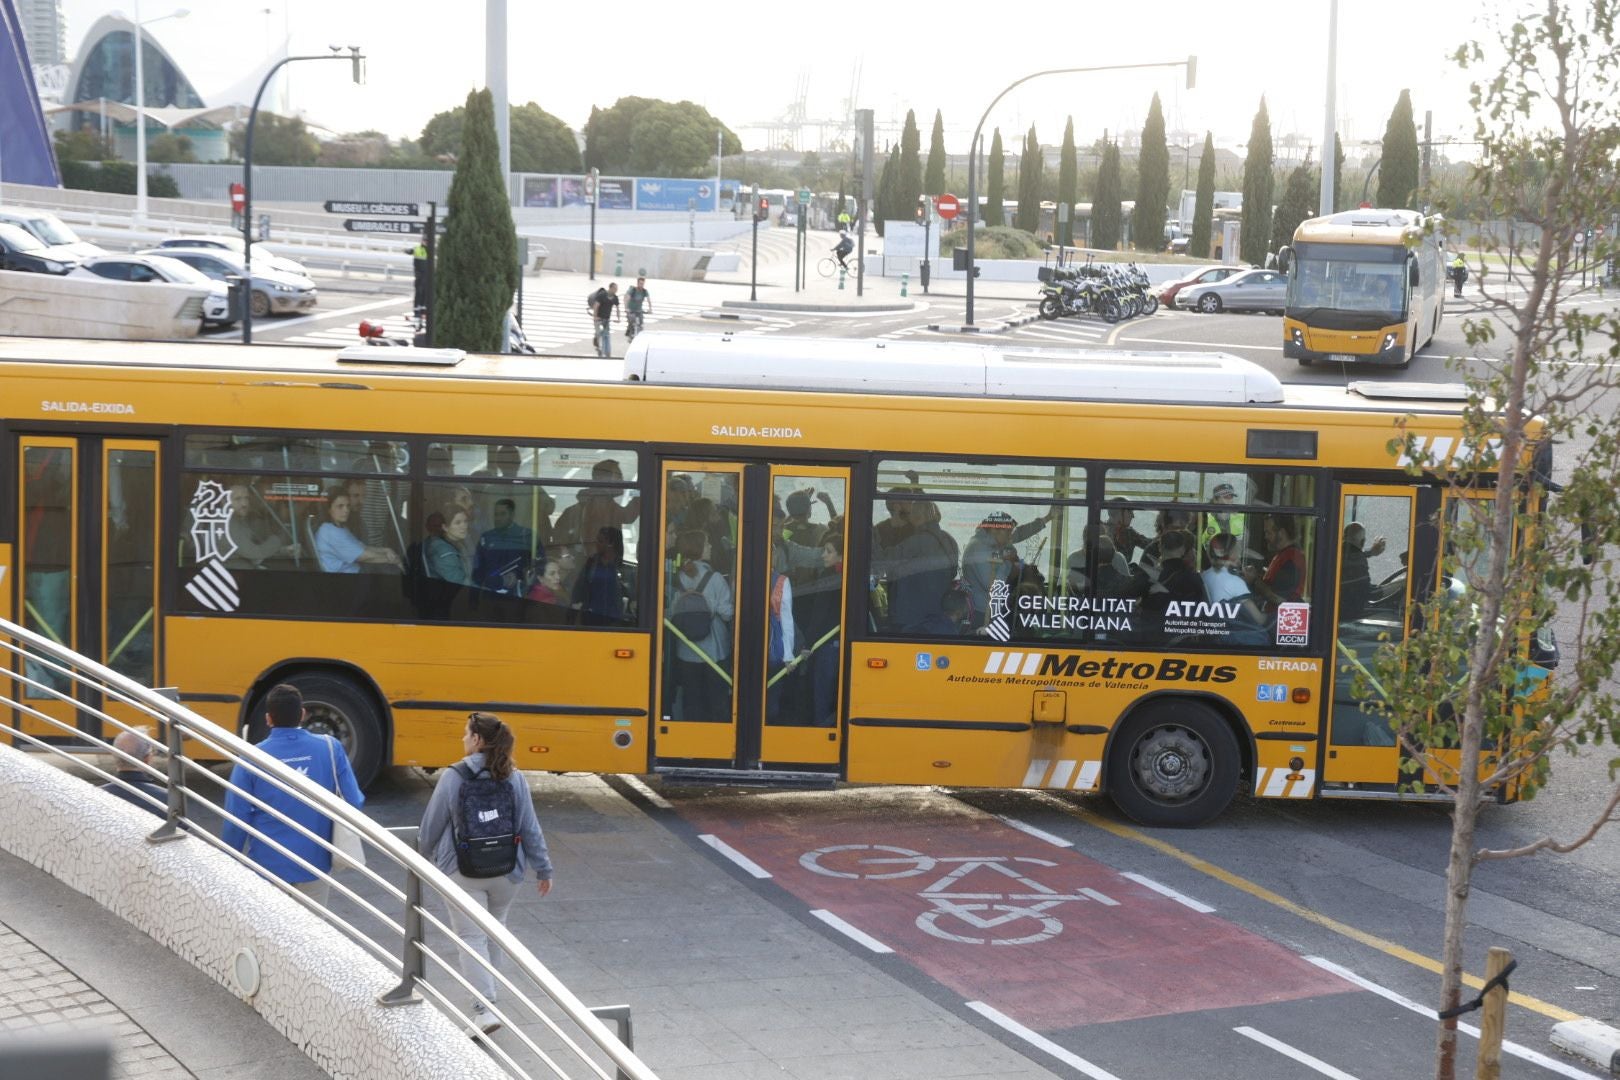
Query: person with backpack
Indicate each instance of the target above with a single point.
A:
(697, 616)
(480, 828)
(604, 305)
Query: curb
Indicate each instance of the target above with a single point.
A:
(772, 305)
(731, 315)
(987, 328)
(1586, 1038)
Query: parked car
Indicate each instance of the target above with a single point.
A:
(234, 244)
(1204, 275)
(269, 291)
(49, 230)
(1252, 290)
(22, 250)
(216, 305)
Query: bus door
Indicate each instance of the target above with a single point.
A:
(751, 615)
(86, 567)
(1375, 596)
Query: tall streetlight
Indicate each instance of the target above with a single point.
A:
(1330, 160)
(140, 108)
(1191, 64)
(356, 58)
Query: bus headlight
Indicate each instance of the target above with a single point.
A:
(1388, 342)
(1299, 337)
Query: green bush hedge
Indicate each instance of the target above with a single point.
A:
(117, 178)
(994, 242)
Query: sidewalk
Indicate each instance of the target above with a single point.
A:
(67, 965)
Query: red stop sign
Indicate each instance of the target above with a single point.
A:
(948, 206)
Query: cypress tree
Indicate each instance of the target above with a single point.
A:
(1106, 216)
(1152, 182)
(1257, 191)
(477, 272)
(908, 185)
(1030, 166)
(887, 186)
(1298, 204)
(1204, 204)
(995, 189)
(934, 178)
(1398, 173)
(1068, 189)
(1339, 201)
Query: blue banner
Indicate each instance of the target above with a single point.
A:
(27, 156)
(659, 194)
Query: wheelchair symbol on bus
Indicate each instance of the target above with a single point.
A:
(963, 912)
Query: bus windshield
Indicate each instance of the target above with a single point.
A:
(1349, 277)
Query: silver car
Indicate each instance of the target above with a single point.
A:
(1252, 290)
(216, 306)
(234, 244)
(269, 292)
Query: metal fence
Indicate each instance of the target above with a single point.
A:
(399, 910)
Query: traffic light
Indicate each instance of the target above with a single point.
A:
(762, 209)
(922, 210)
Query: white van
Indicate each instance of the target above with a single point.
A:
(50, 230)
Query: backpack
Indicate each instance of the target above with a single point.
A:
(487, 841)
(690, 613)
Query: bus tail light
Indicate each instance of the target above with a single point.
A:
(877, 662)
(1302, 695)
(623, 654)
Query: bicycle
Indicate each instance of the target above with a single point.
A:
(828, 266)
(632, 325)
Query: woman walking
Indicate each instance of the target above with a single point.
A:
(487, 742)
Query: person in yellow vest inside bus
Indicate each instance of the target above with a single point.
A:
(1459, 274)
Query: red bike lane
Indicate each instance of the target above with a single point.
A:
(1044, 934)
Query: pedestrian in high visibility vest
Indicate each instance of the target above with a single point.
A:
(419, 270)
(1459, 274)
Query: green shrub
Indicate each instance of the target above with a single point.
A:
(994, 242)
(117, 178)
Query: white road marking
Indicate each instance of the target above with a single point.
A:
(1165, 890)
(1200, 344)
(1039, 834)
(1040, 1042)
(735, 856)
(1298, 1055)
(858, 936)
(1532, 1056)
(646, 792)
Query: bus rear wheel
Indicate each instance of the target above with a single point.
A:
(335, 706)
(1173, 765)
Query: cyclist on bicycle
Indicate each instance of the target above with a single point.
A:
(842, 249)
(636, 301)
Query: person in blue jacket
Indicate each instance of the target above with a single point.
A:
(256, 831)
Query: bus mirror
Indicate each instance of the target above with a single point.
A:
(1285, 258)
(1412, 273)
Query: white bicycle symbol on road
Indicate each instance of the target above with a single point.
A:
(990, 913)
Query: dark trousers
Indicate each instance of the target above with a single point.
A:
(703, 693)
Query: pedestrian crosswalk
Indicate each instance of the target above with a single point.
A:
(551, 322)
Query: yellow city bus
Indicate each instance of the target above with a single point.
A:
(739, 560)
(1364, 286)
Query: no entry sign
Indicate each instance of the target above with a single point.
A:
(948, 206)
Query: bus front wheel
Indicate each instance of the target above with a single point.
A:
(1173, 765)
(337, 707)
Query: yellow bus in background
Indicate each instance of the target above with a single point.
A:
(740, 560)
(1364, 287)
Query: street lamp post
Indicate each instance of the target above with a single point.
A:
(1191, 64)
(354, 57)
(140, 109)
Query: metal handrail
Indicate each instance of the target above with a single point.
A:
(407, 949)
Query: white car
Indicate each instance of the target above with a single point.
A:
(50, 231)
(216, 305)
(270, 291)
(234, 244)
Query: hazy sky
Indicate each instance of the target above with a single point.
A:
(747, 64)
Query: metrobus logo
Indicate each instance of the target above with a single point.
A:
(1061, 666)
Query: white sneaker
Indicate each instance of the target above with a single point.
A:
(484, 1020)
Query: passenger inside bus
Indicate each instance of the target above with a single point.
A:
(605, 591)
(339, 550)
(258, 535)
(1283, 580)
(698, 612)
